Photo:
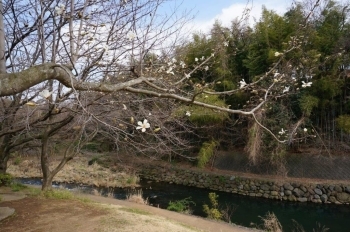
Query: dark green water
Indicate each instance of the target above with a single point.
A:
(248, 210)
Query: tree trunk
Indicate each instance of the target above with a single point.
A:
(48, 175)
(3, 161)
(4, 155)
(2, 42)
(45, 167)
(47, 182)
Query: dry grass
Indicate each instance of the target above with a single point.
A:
(271, 223)
(136, 197)
(254, 141)
(76, 171)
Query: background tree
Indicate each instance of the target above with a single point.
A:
(102, 68)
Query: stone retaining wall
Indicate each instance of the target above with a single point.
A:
(317, 193)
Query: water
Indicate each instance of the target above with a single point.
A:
(247, 210)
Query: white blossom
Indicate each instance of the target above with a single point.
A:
(278, 54)
(45, 93)
(307, 84)
(143, 125)
(242, 83)
(187, 75)
(226, 43)
(131, 35)
(174, 60)
(202, 58)
(105, 47)
(282, 132)
(188, 113)
(59, 9)
(286, 89)
(170, 71)
(305, 130)
(183, 65)
(206, 68)
(30, 103)
(196, 59)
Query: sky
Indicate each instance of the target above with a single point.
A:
(207, 11)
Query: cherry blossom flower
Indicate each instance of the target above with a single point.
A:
(226, 43)
(286, 89)
(59, 9)
(183, 65)
(206, 68)
(282, 132)
(170, 71)
(242, 83)
(188, 113)
(305, 130)
(45, 93)
(131, 35)
(196, 59)
(307, 84)
(143, 125)
(187, 75)
(278, 54)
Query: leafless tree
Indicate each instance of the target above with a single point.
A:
(54, 53)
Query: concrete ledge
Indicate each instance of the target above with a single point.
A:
(6, 212)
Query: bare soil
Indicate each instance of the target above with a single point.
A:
(34, 214)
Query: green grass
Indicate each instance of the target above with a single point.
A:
(57, 194)
(15, 186)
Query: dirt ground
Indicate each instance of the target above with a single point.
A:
(100, 214)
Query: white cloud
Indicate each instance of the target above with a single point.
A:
(235, 11)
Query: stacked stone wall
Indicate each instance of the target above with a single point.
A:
(278, 190)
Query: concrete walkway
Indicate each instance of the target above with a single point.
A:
(6, 211)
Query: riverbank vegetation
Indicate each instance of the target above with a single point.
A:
(269, 89)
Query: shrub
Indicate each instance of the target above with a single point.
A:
(204, 116)
(5, 179)
(133, 179)
(343, 123)
(181, 206)
(206, 152)
(213, 212)
(15, 186)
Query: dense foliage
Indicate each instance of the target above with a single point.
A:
(320, 62)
